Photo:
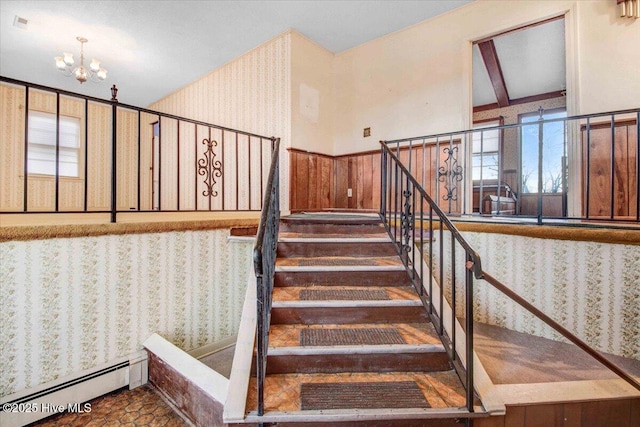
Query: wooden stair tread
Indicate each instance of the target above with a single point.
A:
(343, 293)
(411, 333)
(340, 261)
(282, 391)
(333, 237)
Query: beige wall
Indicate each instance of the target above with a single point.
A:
(609, 50)
(312, 96)
(418, 80)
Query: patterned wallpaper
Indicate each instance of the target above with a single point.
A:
(72, 304)
(593, 289)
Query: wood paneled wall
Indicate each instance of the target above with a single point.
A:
(312, 181)
(319, 181)
(599, 157)
(605, 413)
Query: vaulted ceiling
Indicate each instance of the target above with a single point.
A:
(520, 64)
(152, 48)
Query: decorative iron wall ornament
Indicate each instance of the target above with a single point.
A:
(406, 221)
(210, 168)
(450, 174)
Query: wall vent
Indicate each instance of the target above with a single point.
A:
(20, 22)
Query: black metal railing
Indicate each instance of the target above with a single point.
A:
(127, 159)
(412, 219)
(264, 261)
(547, 167)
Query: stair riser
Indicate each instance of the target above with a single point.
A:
(450, 422)
(311, 249)
(393, 362)
(347, 315)
(342, 278)
(351, 229)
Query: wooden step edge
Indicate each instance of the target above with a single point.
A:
(338, 415)
(355, 349)
(347, 304)
(345, 239)
(321, 268)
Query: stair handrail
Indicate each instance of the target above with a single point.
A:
(473, 264)
(264, 259)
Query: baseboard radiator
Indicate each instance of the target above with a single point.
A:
(72, 392)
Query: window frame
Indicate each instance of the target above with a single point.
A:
(522, 116)
(78, 149)
(478, 124)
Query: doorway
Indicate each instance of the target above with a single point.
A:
(517, 74)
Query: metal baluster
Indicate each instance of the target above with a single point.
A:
(638, 166)
(160, 163)
(453, 297)
(540, 158)
(114, 161)
(25, 200)
(613, 166)
(481, 195)
(249, 171)
(469, 331)
(441, 268)
(588, 177)
(86, 153)
(178, 167)
(195, 171)
(430, 259)
(139, 160)
(57, 179)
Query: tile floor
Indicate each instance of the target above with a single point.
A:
(124, 408)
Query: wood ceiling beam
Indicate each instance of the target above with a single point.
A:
(492, 63)
(525, 100)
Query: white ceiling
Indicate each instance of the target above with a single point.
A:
(532, 62)
(152, 48)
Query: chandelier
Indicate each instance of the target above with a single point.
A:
(629, 8)
(65, 63)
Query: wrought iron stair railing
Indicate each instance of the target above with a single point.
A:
(412, 217)
(264, 260)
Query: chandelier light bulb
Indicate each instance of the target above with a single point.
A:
(95, 65)
(102, 74)
(60, 65)
(94, 72)
(68, 59)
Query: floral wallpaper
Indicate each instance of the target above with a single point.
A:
(72, 304)
(593, 289)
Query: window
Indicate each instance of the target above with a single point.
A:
(41, 155)
(553, 152)
(486, 152)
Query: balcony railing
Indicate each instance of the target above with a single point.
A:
(414, 221)
(64, 152)
(584, 167)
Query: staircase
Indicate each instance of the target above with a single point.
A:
(350, 340)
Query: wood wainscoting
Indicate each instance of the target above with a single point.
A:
(609, 164)
(319, 181)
